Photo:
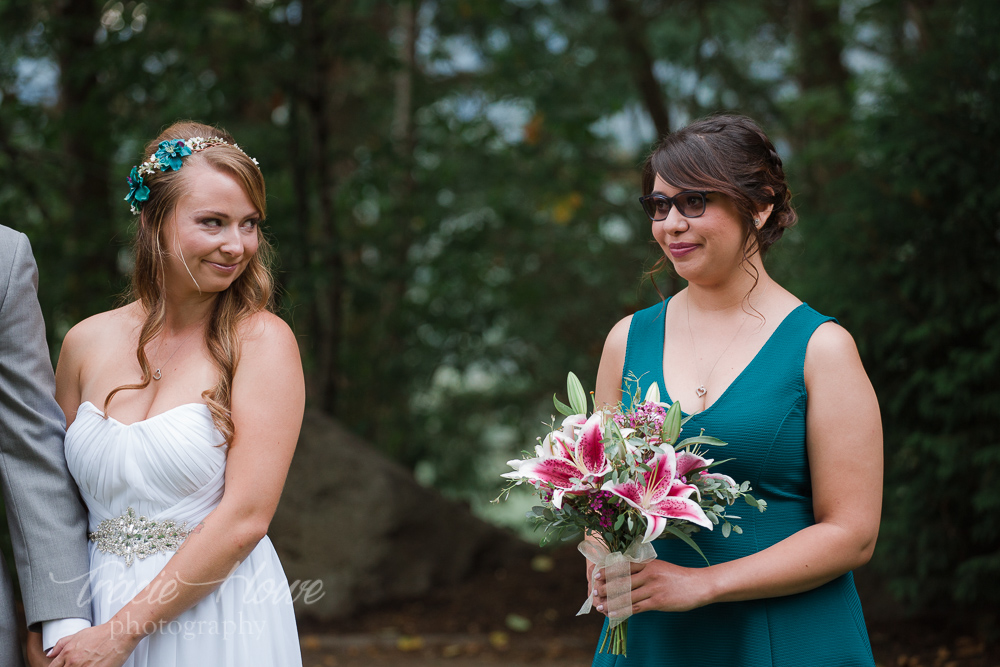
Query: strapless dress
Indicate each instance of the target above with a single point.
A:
(157, 478)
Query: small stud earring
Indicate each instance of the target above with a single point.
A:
(756, 222)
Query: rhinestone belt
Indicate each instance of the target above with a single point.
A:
(134, 537)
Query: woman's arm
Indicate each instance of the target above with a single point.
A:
(268, 398)
(844, 443)
(608, 390)
(73, 350)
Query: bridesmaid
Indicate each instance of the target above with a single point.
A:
(784, 386)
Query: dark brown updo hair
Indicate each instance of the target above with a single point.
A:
(250, 293)
(730, 154)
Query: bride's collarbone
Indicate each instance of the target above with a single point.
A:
(179, 384)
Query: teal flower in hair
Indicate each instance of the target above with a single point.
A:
(170, 153)
(167, 158)
(137, 192)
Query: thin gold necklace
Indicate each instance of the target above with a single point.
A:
(701, 390)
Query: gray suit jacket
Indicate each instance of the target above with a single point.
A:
(47, 521)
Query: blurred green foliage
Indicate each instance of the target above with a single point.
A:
(452, 192)
(910, 257)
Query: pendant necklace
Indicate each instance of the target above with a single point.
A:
(701, 390)
(157, 375)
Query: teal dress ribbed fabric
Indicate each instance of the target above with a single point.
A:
(762, 418)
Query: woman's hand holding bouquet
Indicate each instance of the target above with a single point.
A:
(623, 478)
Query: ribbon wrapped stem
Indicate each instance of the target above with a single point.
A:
(617, 568)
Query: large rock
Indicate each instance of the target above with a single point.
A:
(358, 529)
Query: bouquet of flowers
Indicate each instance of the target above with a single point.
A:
(625, 479)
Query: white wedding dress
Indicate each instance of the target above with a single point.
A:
(169, 467)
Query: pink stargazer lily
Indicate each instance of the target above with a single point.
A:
(686, 462)
(561, 459)
(660, 495)
(572, 424)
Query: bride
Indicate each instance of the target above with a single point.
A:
(183, 408)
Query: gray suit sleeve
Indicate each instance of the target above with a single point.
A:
(48, 523)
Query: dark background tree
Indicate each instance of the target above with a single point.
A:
(452, 191)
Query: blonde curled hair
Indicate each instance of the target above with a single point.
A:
(252, 292)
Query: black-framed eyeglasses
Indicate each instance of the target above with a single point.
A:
(689, 203)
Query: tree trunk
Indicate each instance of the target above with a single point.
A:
(326, 265)
(86, 139)
(403, 190)
(634, 38)
(823, 81)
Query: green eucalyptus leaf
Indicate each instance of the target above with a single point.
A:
(684, 537)
(700, 440)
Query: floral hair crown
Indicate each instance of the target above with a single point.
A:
(167, 158)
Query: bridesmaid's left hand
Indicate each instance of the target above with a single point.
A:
(99, 646)
(659, 586)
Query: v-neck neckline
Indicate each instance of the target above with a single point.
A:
(663, 342)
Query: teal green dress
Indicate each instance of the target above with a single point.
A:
(762, 417)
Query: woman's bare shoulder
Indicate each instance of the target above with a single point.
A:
(617, 338)
(268, 345)
(833, 363)
(831, 344)
(264, 329)
(104, 328)
(270, 368)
